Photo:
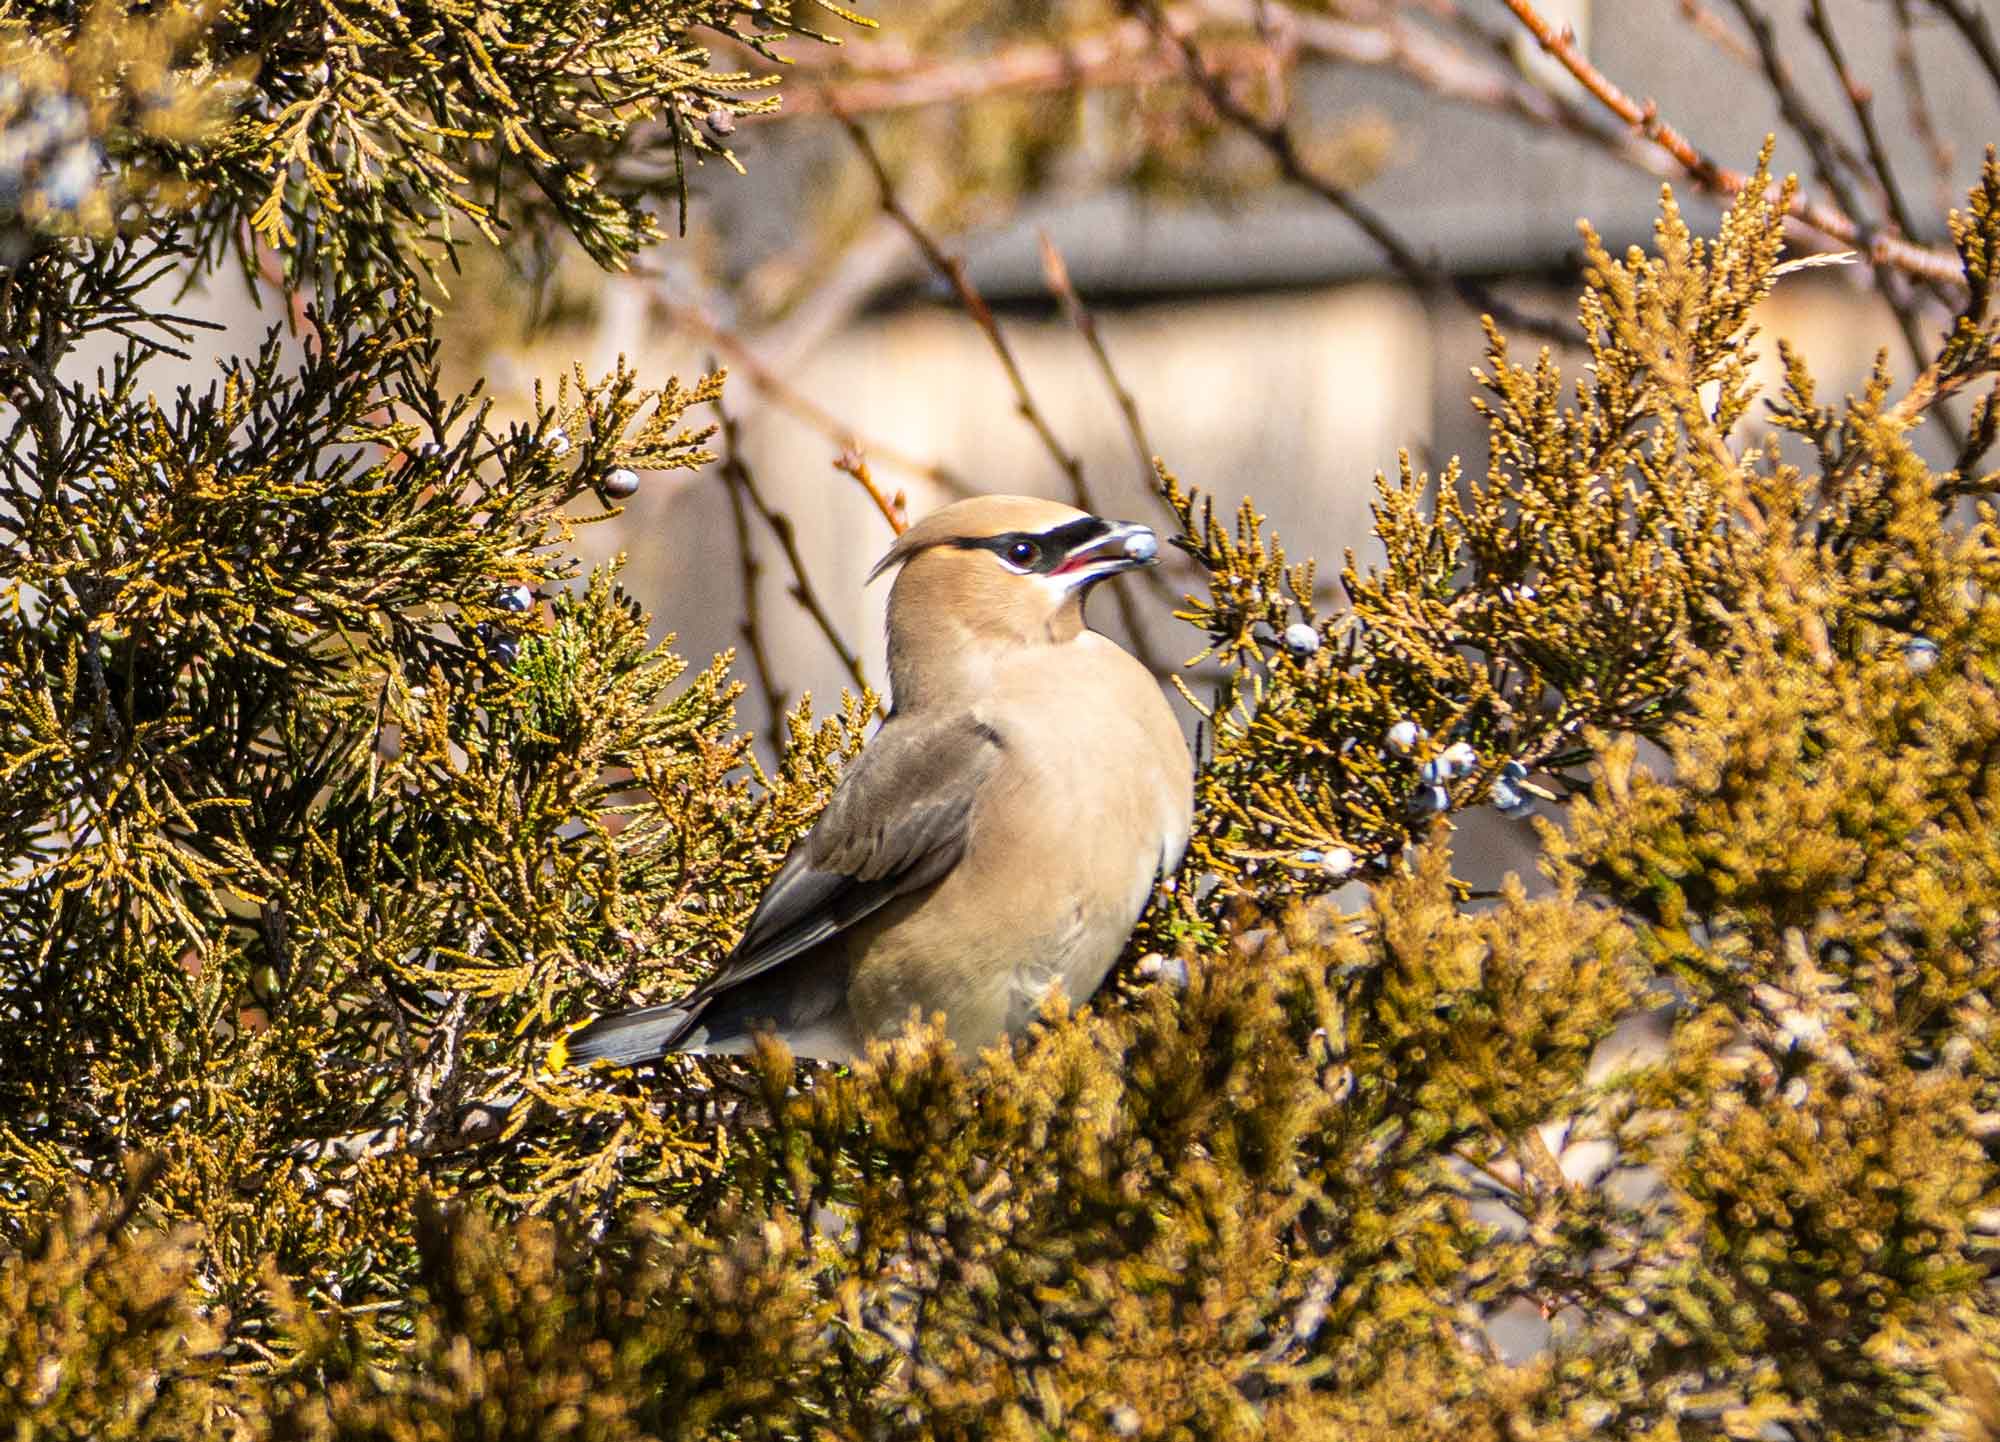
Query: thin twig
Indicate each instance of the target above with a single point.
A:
(1902, 306)
(802, 587)
(1831, 159)
(1132, 54)
(1451, 73)
(751, 569)
(951, 269)
(1710, 27)
(895, 511)
(1861, 100)
(880, 77)
(1123, 57)
(1917, 260)
(1971, 22)
(1057, 274)
(1922, 122)
(743, 358)
(1832, 162)
(1276, 138)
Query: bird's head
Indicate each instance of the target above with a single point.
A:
(998, 571)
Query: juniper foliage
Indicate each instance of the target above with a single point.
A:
(330, 794)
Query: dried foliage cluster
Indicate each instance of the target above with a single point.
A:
(329, 795)
(1566, 590)
(351, 142)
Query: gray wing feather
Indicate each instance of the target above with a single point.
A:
(630, 1037)
(897, 822)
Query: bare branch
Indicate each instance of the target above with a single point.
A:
(739, 474)
(1933, 265)
(1861, 100)
(1711, 27)
(1922, 123)
(1971, 22)
(952, 270)
(1123, 57)
(896, 512)
(1832, 162)
(750, 569)
(1057, 274)
(1132, 54)
(1276, 138)
(1902, 304)
(1446, 70)
(743, 358)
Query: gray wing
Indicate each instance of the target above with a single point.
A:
(897, 822)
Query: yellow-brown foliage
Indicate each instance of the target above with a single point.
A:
(328, 802)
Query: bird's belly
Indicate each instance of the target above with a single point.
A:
(989, 970)
(1062, 960)
(1061, 854)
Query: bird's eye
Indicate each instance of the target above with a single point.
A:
(1024, 553)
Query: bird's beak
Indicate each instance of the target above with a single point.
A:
(1125, 547)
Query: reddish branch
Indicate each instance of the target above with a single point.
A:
(744, 358)
(896, 512)
(878, 77)
(1883, 249)
(1278, 141)
(1712, 28)
(1122, 57)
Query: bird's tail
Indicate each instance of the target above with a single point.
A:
(624, 1038)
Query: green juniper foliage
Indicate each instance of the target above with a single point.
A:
(1565, 592)
(360, 140)
(330, 794)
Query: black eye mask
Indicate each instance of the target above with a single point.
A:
(1051, 546)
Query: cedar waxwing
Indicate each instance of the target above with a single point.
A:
(998, 837)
